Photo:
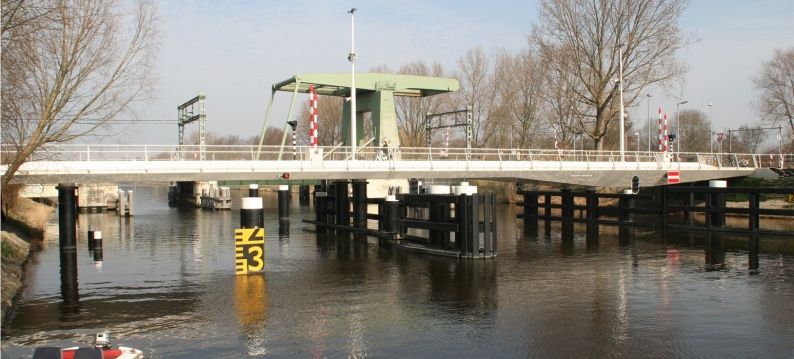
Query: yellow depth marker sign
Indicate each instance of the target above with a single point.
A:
(249, 250)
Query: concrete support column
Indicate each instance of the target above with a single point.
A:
(67, 239)
(390, 215)
(253, 190)
(97, 246)
(591, 201)
(717, 202)
(626, 204)
(251, 213)
(342, 204)
(321, 206)
(567, 205)
(360, 203)
(531, 214)
(283, 202)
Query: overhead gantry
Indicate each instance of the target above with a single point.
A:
(375, 93)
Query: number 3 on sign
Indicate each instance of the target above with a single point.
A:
(249, 250)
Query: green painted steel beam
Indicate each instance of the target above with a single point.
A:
(338, 84)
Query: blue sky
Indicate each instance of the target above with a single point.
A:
(235, 50)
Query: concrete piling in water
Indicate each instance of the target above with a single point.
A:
(321, 207)
(390, 215)
(717, 203)
(283, 202)
(253, 190)
(303, 195)
(531, 215)
(567, 215)
(251, 213)
(97, 246)
(360, 203)
(625, 205)
(91, 233)
(283, 210)
(342, 203)
(126, 203)
(67, 221)
(122, 207)
(67, 238)
(130, 204)
(591, 202)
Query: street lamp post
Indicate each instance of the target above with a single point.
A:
(678, 124)
(352, 58)
(648, 101)
(622, 113)
(711, 130)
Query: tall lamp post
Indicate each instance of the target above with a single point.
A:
(711, 130)
(648, 102)
(622, 113)
(678, 124)
(352, 58)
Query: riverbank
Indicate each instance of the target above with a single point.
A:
(24, 228)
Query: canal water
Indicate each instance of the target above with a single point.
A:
(167, 286)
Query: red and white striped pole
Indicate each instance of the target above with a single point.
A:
(666, 138)
(313, 123)
(661, 133)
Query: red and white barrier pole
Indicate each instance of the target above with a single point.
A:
(313, 123)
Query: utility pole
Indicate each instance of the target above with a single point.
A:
(648, 97)
(352, 58)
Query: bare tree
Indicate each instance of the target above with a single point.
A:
(694, 126)
(412, 111)
(477, 89)
(589, 33)
(519, 82)
(329, 114)
(746, 139)
(776, 83)
(69, 67)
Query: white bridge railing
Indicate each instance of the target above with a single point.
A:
(72, 152)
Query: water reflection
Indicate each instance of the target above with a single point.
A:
(251, 308)
(714, 249)
(70, 293)
(167, 286)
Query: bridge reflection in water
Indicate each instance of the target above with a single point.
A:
(170, 289)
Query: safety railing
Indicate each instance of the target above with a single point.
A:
(73, 152)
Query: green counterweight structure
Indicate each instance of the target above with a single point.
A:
(375, 93)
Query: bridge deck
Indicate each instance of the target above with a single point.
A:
(87, 164)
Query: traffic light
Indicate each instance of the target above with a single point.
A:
(635, 184)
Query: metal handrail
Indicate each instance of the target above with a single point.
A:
(106, 152)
